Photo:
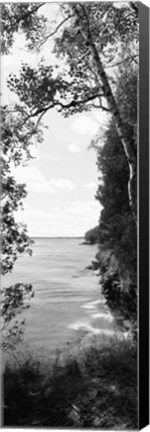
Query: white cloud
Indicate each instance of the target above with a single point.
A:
(34, 179)
(120, 4)
(73, 148)
(62, 184)
(101, 117)
(91, 185)
(50, 157)
(84, 125)
(73, 220)
(87, 209)
(36, 182)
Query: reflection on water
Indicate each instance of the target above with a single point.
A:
(67, 295)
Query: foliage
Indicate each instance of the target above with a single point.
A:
(79, 83)
(110, 28)
(90, 38)
(93, 38)
(118, 233)
(120, 290)
(92, 235)
(16, 140)
(15, 150)
(14, 300)
(96, 388)
(17, 18)
(117, 228)
(17, 137)
(15, 240)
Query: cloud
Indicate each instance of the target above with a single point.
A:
(120, 4)
(85, 126)
(36, 182)
(91, 185)
(73, 220)
(50, 157)
(34, 179)
(73, 148)
(87, 209)
(62, 184)
(101, 117)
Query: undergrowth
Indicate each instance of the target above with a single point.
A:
(96, 388)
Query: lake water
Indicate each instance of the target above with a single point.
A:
(68, 299)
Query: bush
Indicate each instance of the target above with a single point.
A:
(94, 388)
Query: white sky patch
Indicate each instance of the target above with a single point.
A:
(85, 126)
(73, 148)
(63, 184)
(86, 209)
(91, 186)
(101, 117)
(58, 203)
(73, 220)
(49, 157)
(36, 182)
(120, 4)
(34, 151)
(33, 178)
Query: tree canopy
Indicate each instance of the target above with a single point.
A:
(93, 38)
(118, 233)
(92, 235)
(98, 45)
(20, 18)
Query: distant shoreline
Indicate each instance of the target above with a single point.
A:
(56, 238)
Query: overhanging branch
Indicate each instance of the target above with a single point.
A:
(73, 104)
(55, 31)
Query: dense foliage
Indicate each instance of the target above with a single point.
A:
(93, 40)
(93, 37)
(118, 233)
(20, 18)
(15, 150)
(92, 235)
(97, 388)
(16, 140)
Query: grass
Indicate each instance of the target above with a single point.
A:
(96, 387)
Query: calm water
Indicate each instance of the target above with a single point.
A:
(67, 295)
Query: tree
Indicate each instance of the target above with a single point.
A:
(16, 141)
(117, 229)
(15, 240)
(90, 35)
(92, 235)
(20, 17)
(93, 40)
(15, 149)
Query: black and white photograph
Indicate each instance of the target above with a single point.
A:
(69, 207)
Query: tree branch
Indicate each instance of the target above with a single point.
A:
(55, 31)
(55, 103)
(134, 7)
(25, 15)
(122, 61)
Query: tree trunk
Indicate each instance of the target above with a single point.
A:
(112, 105)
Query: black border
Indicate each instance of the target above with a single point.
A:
(144, 217)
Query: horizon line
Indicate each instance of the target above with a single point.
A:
(54, 237)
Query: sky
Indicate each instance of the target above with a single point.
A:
(62, 179)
